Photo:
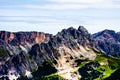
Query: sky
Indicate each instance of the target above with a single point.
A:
(51, 16)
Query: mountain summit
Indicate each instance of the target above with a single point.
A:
(109, 42)
(71, 54)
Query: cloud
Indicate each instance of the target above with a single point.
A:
(68, 4)
(73, 6)
(57, 6)
(76, 1)
(45, 20)
(31, 19)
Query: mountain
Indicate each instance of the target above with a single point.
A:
(22, 38)
(71, 54)
(109, 42)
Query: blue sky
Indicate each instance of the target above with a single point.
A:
(51, 16)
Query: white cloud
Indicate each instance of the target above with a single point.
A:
(34, 19)
(69, 4)
(73, 6)
(14, 11)
(57, 6)
(80, 4)
(76, 1)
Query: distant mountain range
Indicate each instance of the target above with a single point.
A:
(71, 54)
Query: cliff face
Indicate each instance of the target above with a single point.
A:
(25, 51)
(20, 38)
(71, 54)
(109, 42)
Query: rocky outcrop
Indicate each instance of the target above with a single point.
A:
(24, 52)
(28, 50)
(109, 42)
(20, 38)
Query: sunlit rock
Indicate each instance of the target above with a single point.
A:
(28, 74)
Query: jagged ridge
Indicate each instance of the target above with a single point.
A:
(27, 50)
(109, 42)
(24, 52)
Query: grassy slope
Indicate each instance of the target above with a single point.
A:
(107, 66)
(111, 65)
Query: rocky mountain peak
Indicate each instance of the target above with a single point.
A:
(20, 38)
(108, 41)
(83, 30)
(38, 47)
(37, 54)
(105, 33)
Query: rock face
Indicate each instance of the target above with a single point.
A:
(109, 42)
(20, 38)
(22, 53)
(25, 51)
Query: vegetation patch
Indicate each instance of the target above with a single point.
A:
(3, 53)
(107, 65)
